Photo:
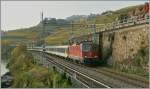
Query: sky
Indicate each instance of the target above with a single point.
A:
(24, 14)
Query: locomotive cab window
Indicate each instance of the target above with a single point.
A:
(86, 47)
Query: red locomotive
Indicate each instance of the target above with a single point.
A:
(85, 52)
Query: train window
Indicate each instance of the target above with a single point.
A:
(62, 50)
(86, 47)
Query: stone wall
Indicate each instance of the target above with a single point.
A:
(123, 45)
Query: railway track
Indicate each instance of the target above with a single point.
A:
(138, 81)
(85, 79)
(125, 78)
(103, 75)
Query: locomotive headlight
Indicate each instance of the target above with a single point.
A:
(85, 56)
(95, 56)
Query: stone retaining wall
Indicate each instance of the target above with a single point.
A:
(123, 45)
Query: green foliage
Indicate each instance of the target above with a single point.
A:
(141, 57)
(27, 74)
(131, 70)
(19, 60)
(37, 77)
(6, 52)
(138, 66)
(95, 47)
(61, 81)
(107, 51)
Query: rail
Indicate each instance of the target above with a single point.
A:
(97, 76)
(86, 80)
(95, 82)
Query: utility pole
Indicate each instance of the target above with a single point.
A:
(43, 27)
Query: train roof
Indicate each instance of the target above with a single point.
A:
(37, 47)
(63, 46)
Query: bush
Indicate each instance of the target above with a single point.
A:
(28, 75)
(131, 70)
(141, 58)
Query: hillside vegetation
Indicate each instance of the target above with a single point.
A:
(28, 74)
(58, 31)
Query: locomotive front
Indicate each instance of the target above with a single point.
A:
(90, 52)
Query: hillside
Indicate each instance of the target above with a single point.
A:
(62, 35)
(58, 31)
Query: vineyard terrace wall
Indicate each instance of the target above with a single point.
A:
(124, 45)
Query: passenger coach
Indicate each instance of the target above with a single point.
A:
(57, 50)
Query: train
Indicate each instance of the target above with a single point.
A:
(84, 52)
